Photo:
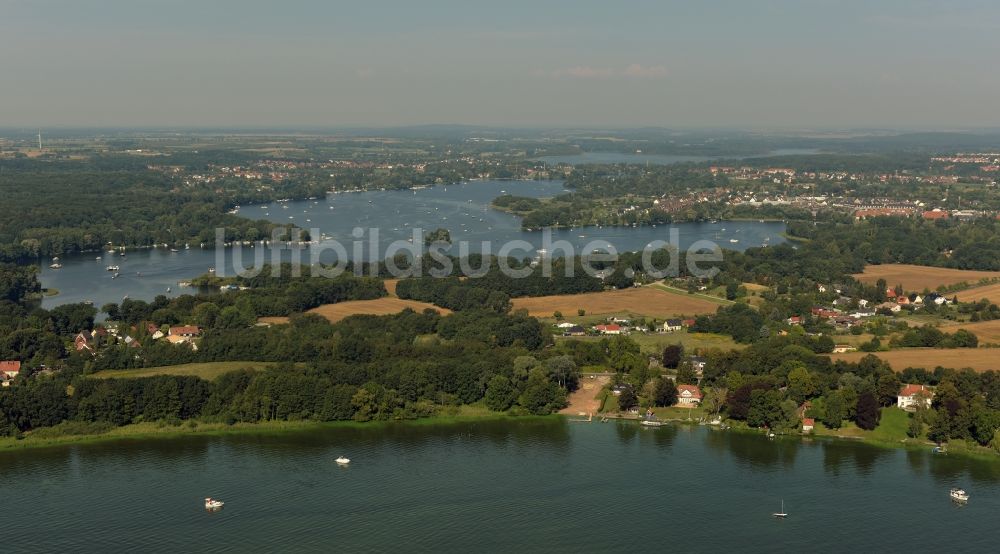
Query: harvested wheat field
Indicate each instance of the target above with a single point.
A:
(979, 359)
(920, 277)
(987, 331)
(989, 292)
(646, 301)
(379, 306)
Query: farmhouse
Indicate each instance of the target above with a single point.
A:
(911, 396)
(688, 396)
(672, 325)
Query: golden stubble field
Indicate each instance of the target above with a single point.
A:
(979, 359)
(920, 277)
(646, 301)
(379, 306)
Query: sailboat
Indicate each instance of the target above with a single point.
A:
(781, 514)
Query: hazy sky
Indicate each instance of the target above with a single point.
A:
(505, 62)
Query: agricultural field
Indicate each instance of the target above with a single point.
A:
(379, 306)
(979, 359)
(920, 277)
(989, 292)
(644, 301)
(987, 331)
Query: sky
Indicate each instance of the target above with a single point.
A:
(737, 64)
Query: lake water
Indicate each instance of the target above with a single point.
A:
(502, 486)
(463, 209)
(657, 159)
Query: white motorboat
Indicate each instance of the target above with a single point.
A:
(112, 268)
(56, 265)
(959, 495)
(343, 461)
(213, 504)
(651, 423)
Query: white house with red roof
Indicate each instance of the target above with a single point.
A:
(688, 396)
(9, 370)
(610, 329)
(911, 396)
(808, 424)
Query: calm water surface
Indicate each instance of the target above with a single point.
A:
(463, 209)
(530, 486)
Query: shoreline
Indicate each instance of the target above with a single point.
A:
(958, 447)
(160, 430)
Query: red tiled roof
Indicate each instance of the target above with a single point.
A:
(611, 327)
(693, 389)
(12, 366)
(910, 390)
(185, 330)
(809, 421)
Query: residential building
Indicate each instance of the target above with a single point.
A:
(187, 331)
(610, 329)
(688, 396)
(10, 369)
(911, 396)
(83, 341)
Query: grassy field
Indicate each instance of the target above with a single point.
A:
(677, 412)
(979, 359)
(714, 297)
(919, 277)
(891, 428)
(692, 342)
(206, 370)
(654, 343)
(643, 301)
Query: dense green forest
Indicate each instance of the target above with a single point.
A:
(391, 367)
(74, 207)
